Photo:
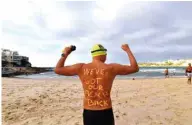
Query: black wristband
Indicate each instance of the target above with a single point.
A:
(63, 55)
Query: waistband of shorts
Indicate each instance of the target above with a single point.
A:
(102, 110)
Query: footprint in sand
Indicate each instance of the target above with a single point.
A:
(124, 114)
(64, 90)
(142, 101)
(51, 115)
(77, 123)
(117, 116)
(58, 122)
(31, 109)
(149, 117)
(40, 123)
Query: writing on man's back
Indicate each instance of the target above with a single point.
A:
(97, 86)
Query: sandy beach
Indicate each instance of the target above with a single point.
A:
(59, 102)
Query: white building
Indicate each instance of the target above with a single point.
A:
(13, 58)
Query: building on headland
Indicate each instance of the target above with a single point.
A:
(14, 64)
(178, 62)
(13, 59)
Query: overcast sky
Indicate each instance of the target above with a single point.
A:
(155, 31)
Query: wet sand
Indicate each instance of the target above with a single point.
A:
(59, 102)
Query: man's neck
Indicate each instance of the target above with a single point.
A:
(97, 60)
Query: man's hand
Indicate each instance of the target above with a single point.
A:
(126, 69)
(125, 47)
(67, 50)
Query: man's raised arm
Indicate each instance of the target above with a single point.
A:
(67, 70)
(126, 69)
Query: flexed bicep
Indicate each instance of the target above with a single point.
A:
(69, 70)
(119, 69)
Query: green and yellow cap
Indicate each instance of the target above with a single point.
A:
(98, 50)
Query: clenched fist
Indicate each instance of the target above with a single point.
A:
(67, 50)
(125, 47)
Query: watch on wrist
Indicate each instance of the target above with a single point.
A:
(63, 55)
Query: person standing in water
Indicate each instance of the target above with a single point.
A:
(97, 79)
(166, 73)
(188, 73)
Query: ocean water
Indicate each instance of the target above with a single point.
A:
(144, 72)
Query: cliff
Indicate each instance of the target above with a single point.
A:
(13, 71)
(15, 64)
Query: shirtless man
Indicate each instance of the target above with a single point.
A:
(97, 79)
(188, 73)
(166, 73)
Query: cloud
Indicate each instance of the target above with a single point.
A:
(154, 30)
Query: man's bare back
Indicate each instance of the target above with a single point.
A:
(97, 79)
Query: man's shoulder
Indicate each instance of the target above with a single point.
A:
(113, 64)
(85, 64)
(79, 65)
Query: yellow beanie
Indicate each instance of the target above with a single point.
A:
(98, 50)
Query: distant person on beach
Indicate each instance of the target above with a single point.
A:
(97, 79)
(174, 73)
(188, 73)
(166, 73)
